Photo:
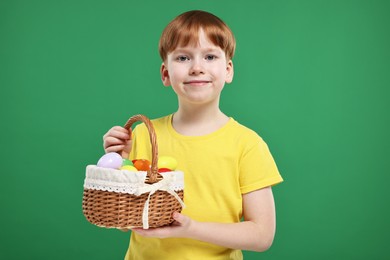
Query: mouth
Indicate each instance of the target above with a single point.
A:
(197, 82)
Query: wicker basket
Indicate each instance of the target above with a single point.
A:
(123, 199)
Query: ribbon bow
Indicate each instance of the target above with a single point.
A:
(163, 185)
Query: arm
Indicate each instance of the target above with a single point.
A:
(255, 233)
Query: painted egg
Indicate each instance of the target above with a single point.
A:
(110, 160)
(164, 170)
(127, 162)
(141, 164)
(167, 162)
(129, 168)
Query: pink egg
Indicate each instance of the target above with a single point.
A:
(110, 160)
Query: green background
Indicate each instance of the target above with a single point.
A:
(311, 77)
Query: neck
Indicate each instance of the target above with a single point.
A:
(193, 120)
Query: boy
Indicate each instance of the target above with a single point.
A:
(228, 168)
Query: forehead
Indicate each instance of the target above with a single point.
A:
(199, 40)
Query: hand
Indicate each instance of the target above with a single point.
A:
(255, 233)
(179, 228)
(117, 139)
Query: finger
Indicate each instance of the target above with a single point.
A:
(141, 231)
(114, 148)
(175, 223)
(119, 128)
(114, 140)
(179, 218)
(117, 132)
(152, 232)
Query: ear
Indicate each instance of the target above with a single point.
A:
(165, 75)
(229, 71)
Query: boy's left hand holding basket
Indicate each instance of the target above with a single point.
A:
(123, 199)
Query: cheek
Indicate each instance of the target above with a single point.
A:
(179, 74)
(222, 75)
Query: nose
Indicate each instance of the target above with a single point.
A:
(196, 67)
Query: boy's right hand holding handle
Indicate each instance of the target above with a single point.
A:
(117, 139)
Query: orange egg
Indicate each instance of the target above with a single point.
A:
(141, 164)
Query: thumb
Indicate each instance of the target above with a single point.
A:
(127, 149)
(180, 218)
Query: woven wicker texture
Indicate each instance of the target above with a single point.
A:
(122, 210)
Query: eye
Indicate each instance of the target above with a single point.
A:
(182, 58)
(211, 57)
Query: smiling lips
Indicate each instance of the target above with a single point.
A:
(197, 82)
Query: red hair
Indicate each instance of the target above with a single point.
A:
(184, 30)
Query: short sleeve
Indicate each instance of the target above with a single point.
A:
(258, 168)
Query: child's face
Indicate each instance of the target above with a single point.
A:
(197, 73)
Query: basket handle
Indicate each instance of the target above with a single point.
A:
(153, 171)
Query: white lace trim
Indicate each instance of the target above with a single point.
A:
(124, 181)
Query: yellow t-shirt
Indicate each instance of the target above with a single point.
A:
(218, 168)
